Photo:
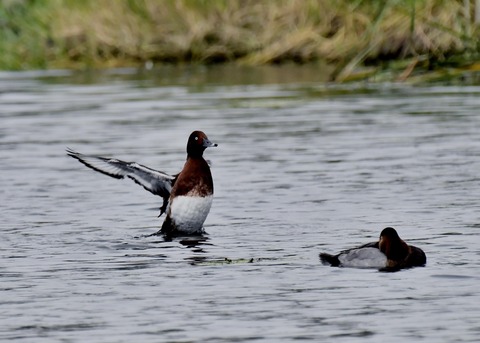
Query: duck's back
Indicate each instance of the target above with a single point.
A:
(365, 256)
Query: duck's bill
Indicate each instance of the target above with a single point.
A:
(207, 143)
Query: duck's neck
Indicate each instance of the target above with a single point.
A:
(395, 250)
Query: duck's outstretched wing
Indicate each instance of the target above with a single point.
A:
(154, 181)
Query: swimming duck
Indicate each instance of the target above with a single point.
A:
(389, 253)
(187, 196)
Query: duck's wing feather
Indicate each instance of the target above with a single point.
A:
(154, 181)
(367, 256)
(370, 245)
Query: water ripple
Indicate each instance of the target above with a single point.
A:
(301, 168)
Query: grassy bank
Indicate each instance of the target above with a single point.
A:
(349, 34)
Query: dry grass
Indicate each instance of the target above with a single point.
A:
(59, 33)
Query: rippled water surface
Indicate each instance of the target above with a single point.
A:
(301, 168)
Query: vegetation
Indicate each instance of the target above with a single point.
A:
(346, 33)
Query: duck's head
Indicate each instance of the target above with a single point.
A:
(392, 245)
(197, 143)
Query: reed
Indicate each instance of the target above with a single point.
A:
(349, 34)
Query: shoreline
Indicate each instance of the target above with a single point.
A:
(360, 40)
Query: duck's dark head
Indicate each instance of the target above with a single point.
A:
(392, 245)
(197, 143)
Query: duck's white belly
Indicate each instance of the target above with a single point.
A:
(363, 258)
(189, 213)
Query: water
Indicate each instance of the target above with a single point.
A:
(301, 168)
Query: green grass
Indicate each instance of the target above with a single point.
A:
(350, 34)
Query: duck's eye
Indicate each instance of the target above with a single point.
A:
(196, 138)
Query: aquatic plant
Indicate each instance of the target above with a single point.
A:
(88, 33)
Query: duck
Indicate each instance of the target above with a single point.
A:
(187, 196)
(389, 253)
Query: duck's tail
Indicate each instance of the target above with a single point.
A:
(328, 259)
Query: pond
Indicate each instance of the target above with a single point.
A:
(302, 167)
